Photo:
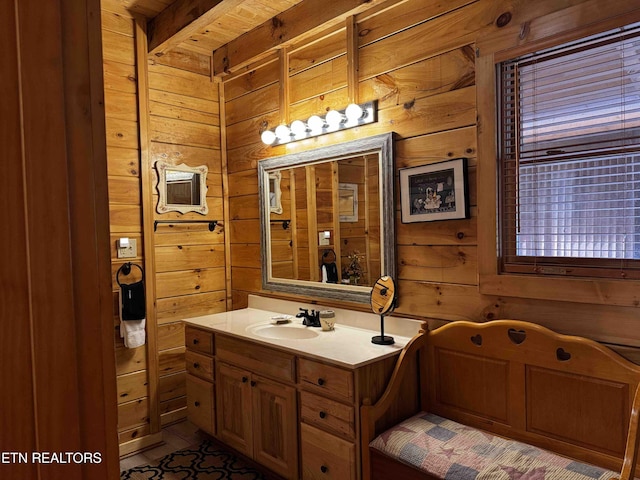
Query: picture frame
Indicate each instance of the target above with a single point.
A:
(437, 191)
(348, 202)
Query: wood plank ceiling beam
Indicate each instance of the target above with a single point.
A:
(182, 19)
(300, 21)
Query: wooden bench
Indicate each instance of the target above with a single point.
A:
(516, 380)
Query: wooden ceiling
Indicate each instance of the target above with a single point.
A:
(236, 32)
(202, 26)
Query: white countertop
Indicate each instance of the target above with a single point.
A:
(348, 346)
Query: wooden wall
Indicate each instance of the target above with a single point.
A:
(125, 204)
(159, 108)
(417, 58)
(189, 259)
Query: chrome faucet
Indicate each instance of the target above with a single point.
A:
(309, 319)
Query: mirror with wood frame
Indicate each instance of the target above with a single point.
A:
(383, 301)
(383, 295)
(336, 199)
(181, 188)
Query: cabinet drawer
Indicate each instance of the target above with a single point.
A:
(199, 340)
(328, 414)
(256, 358)
(325, 456)
(199, 365)
(200, 404)
(332, 380)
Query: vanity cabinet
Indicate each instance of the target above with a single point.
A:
(257, 415)
(200, 379)
(295, 414)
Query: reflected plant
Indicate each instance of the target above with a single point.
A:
(353, 271)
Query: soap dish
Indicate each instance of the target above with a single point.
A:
(280, 319)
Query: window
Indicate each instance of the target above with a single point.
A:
(570, 158)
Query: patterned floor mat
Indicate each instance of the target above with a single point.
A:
(204, 462)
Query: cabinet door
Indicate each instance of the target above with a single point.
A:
(200, 404)
(233, 394)
(275, 429)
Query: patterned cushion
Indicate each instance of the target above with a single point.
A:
(453, 451)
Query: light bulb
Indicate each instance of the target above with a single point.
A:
(298, 128)
(268, 137)
(334, 118)
(354, 112)
(283, 133)
(315, 123)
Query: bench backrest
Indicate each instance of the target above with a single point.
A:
(567, 394)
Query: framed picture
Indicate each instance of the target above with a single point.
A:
(348, 202)
(437, 191)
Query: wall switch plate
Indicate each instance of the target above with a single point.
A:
(129, 251)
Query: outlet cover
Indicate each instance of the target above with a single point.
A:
(128, 252)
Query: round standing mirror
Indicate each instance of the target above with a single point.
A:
(383, 300)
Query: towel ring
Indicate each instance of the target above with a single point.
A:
(126, 270)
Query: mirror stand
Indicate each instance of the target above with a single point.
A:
(382, 339)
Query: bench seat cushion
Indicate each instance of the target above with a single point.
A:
(452, 451)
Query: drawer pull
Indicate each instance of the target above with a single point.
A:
(197, 404)
(245, 379)
(253, 383)
(323, 414)
(321, 381)
(196, 341)
(196, 365)
(324, 469)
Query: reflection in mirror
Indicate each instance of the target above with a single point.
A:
(340, 237)
(275, 205)
(181, 188)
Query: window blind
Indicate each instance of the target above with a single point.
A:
(570, 158)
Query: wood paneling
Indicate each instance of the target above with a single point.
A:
(185, 60)
(119, 77)
(125, 200)
(177, 308)
(118, 48)
(185, 282)
(419, 60)
(189, 259)
(183, 82)
(133, 414)
(132, 386)
(170, 335)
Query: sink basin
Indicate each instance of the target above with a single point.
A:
(281, 332)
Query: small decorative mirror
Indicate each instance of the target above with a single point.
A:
(348, 202)
(383, 301)
(275, 204)
(182, 188)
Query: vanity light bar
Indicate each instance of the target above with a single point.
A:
(353, 115)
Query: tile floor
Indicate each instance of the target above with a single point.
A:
(176, 437)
